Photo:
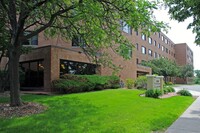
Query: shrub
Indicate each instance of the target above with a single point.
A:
(71, 86)
(141, 82)
(168, 89)
(155, 93)
(129, 83)
(73, 77)
(113, 82)
(149, 93)
(197, 80)
(184, 92)
(103, 82)
(168, 83)
(82, 83)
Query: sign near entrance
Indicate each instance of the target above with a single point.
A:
(156, 82)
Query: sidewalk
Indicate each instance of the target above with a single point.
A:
(189, 121)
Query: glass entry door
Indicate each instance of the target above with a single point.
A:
(32, 74)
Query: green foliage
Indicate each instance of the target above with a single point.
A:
(184, 92)
(186, 71)
(97, 22)
(103, 82)
(86, 19)
(141, 82)
(163, 66)
(197, 72)
(109, 111)
(82, 83)
(72, 86)
(3, 79)
(155, 93)
(168, 83)
(4, 34)
(197, 80)
(182, 9)
(168, 89)
(129, 83)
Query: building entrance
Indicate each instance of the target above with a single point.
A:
(32, 74)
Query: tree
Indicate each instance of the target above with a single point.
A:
(197, 73)
(197, 78)
(182, 9)
(4, 35)
(163, 66)
(96, 21)
(4, 40)
(186, 71)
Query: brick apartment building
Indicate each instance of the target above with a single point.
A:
(54, 57)
(184, 55)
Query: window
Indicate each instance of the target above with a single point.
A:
(162, 37)
(155, 55)
(166, 41)
(77, 41)
(143, 37)
(125, 27)
(143, 50)
(155, 43)
(150, 52)
(130, 53)
(163, 48)
(150, 40)
(137, 61)
(137, 46)
(159, 34)
(159, 45)
(31, 41)
(73, 67)
(33, 73)
(166, 50)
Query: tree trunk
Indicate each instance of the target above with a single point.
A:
(15, 99)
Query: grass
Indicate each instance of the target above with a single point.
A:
(109, 111)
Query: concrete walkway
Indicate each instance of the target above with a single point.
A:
(189, 121)
(194, 89)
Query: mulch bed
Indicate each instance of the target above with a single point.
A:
(26, 109)
(171, 94)
(168, 95)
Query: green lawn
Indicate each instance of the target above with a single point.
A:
(109, 111)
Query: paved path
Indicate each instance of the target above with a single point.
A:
(189, 121)
(194, 89)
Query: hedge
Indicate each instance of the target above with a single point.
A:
(83, 83)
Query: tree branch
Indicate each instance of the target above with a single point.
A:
(49, 23)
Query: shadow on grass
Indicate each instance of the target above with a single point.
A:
(64, 114)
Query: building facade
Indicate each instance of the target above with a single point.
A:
(52, 58)
(184, 56)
